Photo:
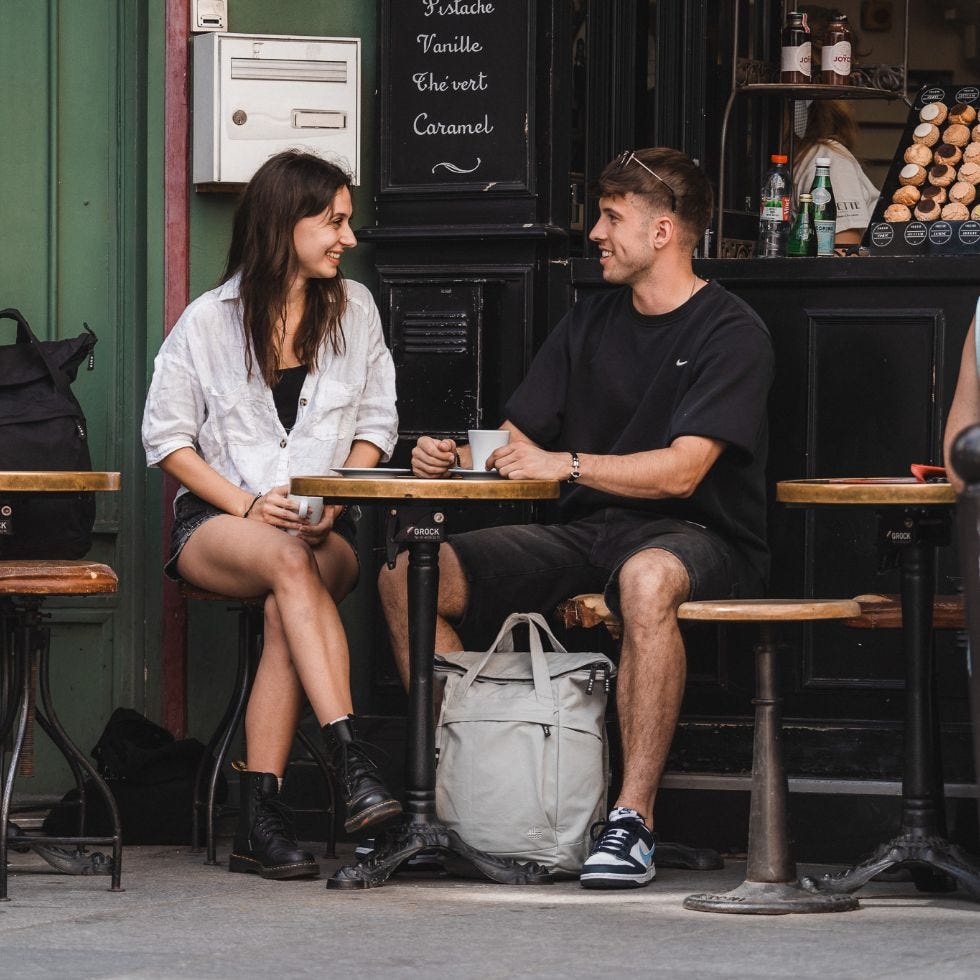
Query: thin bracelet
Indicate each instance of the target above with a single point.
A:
(248, 510)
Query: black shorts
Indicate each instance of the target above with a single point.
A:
(534, 567)
(190, 512)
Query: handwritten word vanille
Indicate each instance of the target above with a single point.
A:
(455, 8)
(460, 44)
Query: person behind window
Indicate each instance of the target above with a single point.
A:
(281, 370)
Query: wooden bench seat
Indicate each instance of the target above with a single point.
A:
(56, 578)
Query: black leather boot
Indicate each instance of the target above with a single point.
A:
(368, 802)
(265, 843)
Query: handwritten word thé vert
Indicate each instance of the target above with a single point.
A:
(425, 81)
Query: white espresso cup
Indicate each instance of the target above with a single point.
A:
(309, 507)
(483, 442)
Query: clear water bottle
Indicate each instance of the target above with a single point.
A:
(774, 209)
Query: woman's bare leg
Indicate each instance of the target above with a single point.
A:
(305, 646)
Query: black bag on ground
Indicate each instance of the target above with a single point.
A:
(151, 776)
(42, 427)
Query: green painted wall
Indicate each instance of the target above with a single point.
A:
(72, 202)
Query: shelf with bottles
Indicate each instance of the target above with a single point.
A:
(793, 92)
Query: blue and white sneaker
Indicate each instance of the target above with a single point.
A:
(623, 853)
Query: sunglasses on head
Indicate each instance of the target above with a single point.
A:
(629, 156)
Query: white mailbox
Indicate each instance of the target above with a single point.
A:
(255, 95)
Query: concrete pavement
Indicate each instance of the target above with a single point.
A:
(180, 918)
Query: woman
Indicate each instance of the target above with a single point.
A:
(965, 409)
(832, 132)
(281, 370)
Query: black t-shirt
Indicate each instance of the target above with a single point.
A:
(610, 380)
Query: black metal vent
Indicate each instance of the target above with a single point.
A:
(435, 332)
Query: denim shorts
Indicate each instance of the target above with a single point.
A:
(190, 512)
(534, 567)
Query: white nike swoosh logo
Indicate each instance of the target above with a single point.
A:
(681, 363)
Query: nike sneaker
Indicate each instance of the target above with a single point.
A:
(623, 853)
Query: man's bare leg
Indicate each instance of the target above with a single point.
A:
(453, 597)
(652, 672)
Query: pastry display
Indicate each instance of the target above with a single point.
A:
(907, 195)
(917, 153)
(913, 174)
(934, 112)
(957, 134)
(897, 212)
(927, 210)
(930, 198)
(941, 175)
(962, 113)
(970, 173)
(955, 212)
(962, 193)
(947, 153)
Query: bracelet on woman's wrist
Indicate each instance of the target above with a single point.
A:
(248, 509)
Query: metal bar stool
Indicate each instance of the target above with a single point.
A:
(771, 885)
(250, 624)
(26, 647)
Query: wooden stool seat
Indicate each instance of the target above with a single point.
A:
(885, 612)
(188, 591)
(768, 610)
(56, 578)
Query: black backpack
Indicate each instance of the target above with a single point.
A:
(42, 427)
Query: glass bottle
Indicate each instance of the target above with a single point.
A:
(835, 56)
(795, 57)
(824, 207)
(774, 209)
(803, 238)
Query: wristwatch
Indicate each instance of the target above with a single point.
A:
(576, 471)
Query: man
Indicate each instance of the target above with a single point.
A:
(650, 401)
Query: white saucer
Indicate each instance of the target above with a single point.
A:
(475, 474)
(371, 472)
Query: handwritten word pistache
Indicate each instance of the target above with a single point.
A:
(455, 8)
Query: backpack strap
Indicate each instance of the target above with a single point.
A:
(26, 336)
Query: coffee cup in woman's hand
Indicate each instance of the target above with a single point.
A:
(308, 509)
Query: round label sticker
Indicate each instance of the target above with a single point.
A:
(915, 233)
(821, 195)
(932, 95)
(968, 94)
(940, 232)
(882, 235)
(969, 233)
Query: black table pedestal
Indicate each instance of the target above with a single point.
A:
(423, 529)
(934, 863)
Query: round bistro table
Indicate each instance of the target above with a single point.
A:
(416, 518)
(913, 520)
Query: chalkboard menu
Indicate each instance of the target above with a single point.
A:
(457, 106)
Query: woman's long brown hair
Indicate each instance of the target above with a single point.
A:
(289, 186)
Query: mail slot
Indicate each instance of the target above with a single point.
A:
(255, 95)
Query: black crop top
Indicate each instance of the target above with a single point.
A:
(285, 393)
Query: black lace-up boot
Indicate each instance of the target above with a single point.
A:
(368, 802)
(265, 842)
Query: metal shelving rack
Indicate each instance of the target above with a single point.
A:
(810, 92)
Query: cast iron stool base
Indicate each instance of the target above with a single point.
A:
(411, 835)
(771, 886)
(770, 898)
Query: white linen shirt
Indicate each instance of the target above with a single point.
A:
(200, 396)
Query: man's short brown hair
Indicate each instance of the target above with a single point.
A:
(669, 180)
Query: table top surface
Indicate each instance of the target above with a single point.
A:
(413, 488)
(880, 490)
(52, 481)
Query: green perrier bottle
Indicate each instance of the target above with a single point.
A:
(824, 207)
(803, 236)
